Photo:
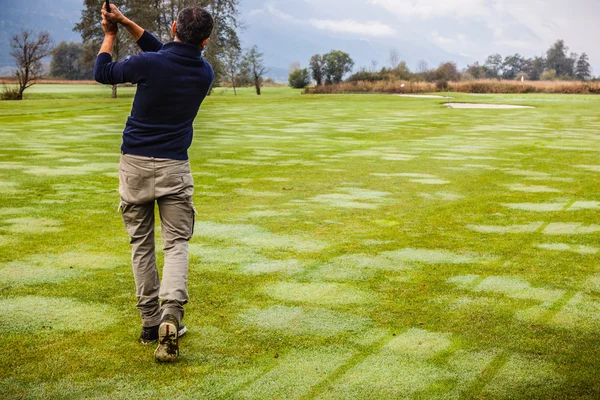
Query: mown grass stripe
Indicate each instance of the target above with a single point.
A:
(487, 375)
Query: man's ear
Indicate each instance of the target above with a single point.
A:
(174, 28)
(204, 43)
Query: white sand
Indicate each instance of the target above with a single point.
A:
(493, 106)
(424, 96)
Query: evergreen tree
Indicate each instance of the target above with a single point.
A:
(583, 70)
(90, 28)
(557, 59)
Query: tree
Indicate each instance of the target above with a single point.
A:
(447, 71)
(583, 70)
(317, 67)
(536, 68)
(556, 58)
(493, 66)
(511, 66)
(158, 16)
(28, 51)
(295, 65)
(299, 79)
(337, 64)
(394, 58)
(475, 71)
(91, 31)
(402, 71)
(571, 65)
(374, 66)
(422, 67)
(67, 61)
(232, 65)
(254, 61)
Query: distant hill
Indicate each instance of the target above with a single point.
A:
(56, 16)
(280, 42)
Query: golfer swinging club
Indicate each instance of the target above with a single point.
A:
(172, 81)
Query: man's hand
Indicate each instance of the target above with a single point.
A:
(116, 17)
(113, 15)
(110, 28)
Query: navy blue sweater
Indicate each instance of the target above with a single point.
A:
(172, 81)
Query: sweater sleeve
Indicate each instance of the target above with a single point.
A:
(148, 42)
(112, 73)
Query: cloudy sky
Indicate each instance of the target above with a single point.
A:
(433, 30)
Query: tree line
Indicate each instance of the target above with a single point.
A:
(75, 61)
(556, 63)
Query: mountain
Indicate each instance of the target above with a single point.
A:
(288, 31)
(284, 40)
(56, 16)
(281, 41)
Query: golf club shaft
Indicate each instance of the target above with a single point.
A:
(107, 5)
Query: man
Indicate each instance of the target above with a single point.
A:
(172, 81)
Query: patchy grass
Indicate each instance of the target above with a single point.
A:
(347, 247)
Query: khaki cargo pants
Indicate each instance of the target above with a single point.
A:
(144, 182)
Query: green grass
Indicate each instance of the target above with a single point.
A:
(358, 246)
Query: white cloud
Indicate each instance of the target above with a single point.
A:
(487, 26)
(459, 43)
(371, 28)
(441, 40)
(256, 12)
(435, 8)
(344, 26)
(271, 9)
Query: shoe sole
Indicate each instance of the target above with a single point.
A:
(182, 331)
(168, 346)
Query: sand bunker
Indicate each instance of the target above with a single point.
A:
(477, 105)
(424, 96)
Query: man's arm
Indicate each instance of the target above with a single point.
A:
(145, 40)
(106, 71)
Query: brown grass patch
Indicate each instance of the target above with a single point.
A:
(11, 80)
(483, 86)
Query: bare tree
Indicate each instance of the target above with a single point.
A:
(295, 65)
(374, 65)
(255, 63)
(394, 58)
(232, 62)
(422, 67)
(28, 51)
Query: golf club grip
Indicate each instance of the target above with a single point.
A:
(107, 5)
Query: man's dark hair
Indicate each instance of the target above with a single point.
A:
(194, 24)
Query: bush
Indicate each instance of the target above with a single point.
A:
(299, 79)
(10, 93)
(366, 76)
(441, 85)
(548, 75)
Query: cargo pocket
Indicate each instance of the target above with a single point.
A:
(194, 214)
